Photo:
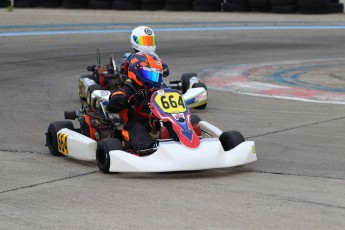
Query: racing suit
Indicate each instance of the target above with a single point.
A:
(136, 128)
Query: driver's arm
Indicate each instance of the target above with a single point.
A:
(118, 101)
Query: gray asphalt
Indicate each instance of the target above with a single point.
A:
(297, 182)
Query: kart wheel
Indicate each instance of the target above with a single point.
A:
(194, 119)
(51, 135)
(198, 85)
(185, 81)
(89, 92)
(102, 154)
(231, 139)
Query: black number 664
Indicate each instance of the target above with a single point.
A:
(170, 102)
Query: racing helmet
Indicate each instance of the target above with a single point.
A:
(145, 70)
(143, 39)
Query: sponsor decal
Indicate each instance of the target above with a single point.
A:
(179, 116)
(62, 143)
(148, 31)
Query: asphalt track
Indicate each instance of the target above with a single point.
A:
(297, 182)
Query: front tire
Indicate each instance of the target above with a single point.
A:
(194, 119)
(231, 139)
(51, 135)
(185, 81)
(102, 153)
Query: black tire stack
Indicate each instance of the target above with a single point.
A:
(50, 3)
(4, 3)
(320, 6)
(236, 6)
(152, 4)
(25, 3)
(179, 5)
(126, 5)
(207, 5)
(284, 6)
(100, 4)
(275, 6)
(75, 4)
(260, 5)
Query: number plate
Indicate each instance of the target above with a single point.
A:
(171, 102)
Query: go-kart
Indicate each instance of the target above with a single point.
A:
(108, 78)
(103, 77)
(186, 144)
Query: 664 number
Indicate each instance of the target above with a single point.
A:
(170, 102)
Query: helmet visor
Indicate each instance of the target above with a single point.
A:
(152, 75)
(146, 40)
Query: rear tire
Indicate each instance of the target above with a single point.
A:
(102, 154)
(51, 135)
(231, 139)
(199, 84)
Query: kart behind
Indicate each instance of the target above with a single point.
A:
(108, 78)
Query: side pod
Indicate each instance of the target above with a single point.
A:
(76, 145)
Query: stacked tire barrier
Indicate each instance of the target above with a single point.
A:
(274, 6)
(126, 5)
(207, 5)
(285, 6)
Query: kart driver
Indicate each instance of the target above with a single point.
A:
(145, 72)
(142, 39)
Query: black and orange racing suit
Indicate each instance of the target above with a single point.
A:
(136, 128)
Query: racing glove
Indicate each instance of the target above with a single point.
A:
(166, 71)
(139, 96)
